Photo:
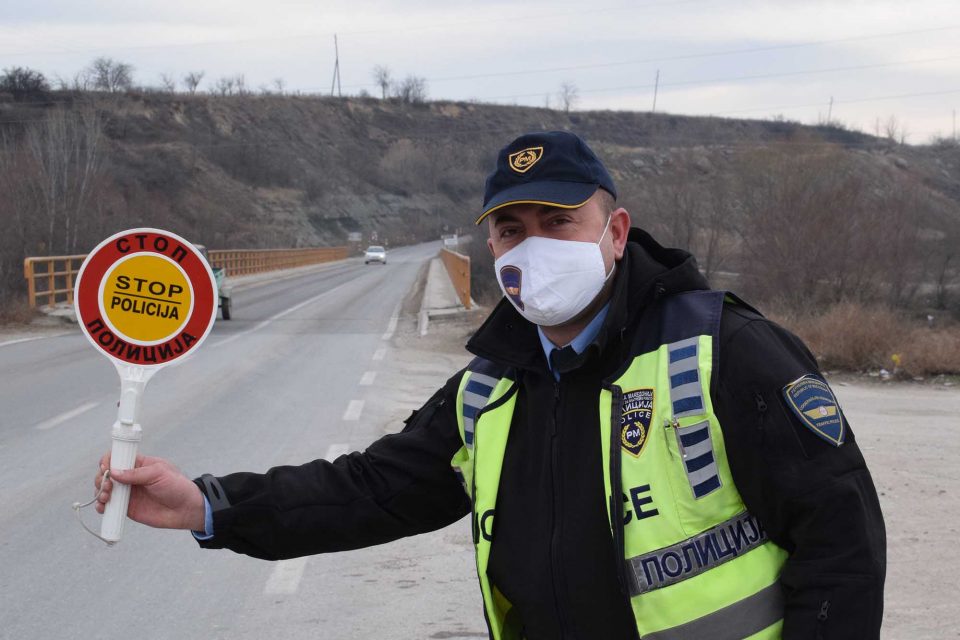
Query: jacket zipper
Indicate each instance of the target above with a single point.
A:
(555, 537)
(822, 617)
(761, 409)
(616, 501)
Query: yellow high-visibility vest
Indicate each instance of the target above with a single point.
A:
(698, 565)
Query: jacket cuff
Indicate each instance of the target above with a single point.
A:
(214, 499)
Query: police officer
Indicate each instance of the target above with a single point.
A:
(643, 457)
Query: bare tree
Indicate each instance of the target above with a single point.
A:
(168, 82)
(79, 82)
(240, 82)
(381, 76)
(412, 90)
(192, 80)
(66, 150)
(107, 74)
(568, 95)
(224, 86)
(815, 227)
(279, 84)
(24, 84)
(895, 131)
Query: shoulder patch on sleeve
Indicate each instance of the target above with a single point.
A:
(812, 401)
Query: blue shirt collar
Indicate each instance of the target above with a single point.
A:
(578, 344)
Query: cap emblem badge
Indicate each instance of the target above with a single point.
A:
(523, 160)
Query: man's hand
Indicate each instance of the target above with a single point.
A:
(160, 495)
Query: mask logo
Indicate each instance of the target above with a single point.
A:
(636, 414)
(521, 161)
(512, 277)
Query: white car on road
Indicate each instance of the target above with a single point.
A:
(375, 254)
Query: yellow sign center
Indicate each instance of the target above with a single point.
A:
(146, 298)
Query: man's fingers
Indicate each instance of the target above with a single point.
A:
(103, 495)
(140, 475)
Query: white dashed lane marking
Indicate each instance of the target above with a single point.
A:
(334, 451)
(379, 353)
(286, 576)
(66, 415)
(367, 379)
(354, 409)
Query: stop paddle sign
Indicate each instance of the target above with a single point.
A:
(145, 298)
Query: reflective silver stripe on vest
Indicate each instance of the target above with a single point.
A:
(696, 447)
(686, 395)
(693, 556)
(739, 620)
(686, 398)
(475, 396)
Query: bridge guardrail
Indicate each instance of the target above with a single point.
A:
(241, 262)
(50, 279)
(458, 266)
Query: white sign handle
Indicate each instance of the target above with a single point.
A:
(126, 440)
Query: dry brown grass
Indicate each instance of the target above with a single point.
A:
(16, 311)
(854, 337)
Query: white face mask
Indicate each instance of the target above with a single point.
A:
(551, 281)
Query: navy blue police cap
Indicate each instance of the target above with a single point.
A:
(553, 168)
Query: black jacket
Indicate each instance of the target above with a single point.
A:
(552, 555)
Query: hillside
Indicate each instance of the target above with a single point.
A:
(286, 171)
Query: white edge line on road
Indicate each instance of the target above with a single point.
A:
(367, 378)
(380, 353)
(286, 576)
(277, 316)
(392, 325)
(66, 415)
(354, 409)
(30, 339)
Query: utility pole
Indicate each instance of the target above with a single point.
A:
(830, 112)
(336, 68)
(656, 86)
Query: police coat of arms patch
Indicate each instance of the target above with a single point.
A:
(636, 414)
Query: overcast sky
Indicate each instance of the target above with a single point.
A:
(735, 58)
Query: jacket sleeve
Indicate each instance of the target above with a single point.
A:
(401, 485)
(816, 500)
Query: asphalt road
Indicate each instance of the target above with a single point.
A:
(308, 367)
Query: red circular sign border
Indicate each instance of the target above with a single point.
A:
(105, 255)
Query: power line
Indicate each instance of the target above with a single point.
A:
(837, 102)
(657, 83)
(674, 58)
(761, 76)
